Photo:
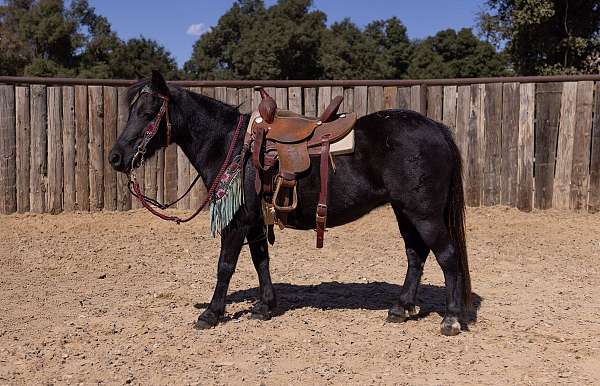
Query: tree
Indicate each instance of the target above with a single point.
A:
(252, 42)
(451, 54)
(545, 36)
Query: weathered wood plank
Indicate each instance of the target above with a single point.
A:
(96, 117)
(548, 97)
(245, 100)
(232, 96)
(8, 148)
(510, 144)
(463, 108)
(310, 102)
(198, 192)
(221, 94)
(594, 196)
(23, 141)
(360, 100)
(255, 100)
(55, 150)
(435, 102)
(526, 147)
(171, 173)
(561, 193)
(183, 179)
(390, 98)
(295, 99)
(374, 99)
(39, 149)
(82, 171)
(475, 145)
(160, 175)
(150, 180)
(416, 99)
(449, 107)
(123, 195)
(68, 137)
(492, 108)
(348, 103)
(324, 99)
(110, 137)
(404, 98)
(337, 91)
(281, 98)
(581, 142)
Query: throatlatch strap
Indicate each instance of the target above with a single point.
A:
(322, 205)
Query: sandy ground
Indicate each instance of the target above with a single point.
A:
(111, 297)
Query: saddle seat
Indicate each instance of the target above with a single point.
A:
(286, 140)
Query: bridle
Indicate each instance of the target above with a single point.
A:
(138, 159)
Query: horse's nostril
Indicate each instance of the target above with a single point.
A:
(115, 159)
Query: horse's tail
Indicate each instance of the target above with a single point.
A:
(455, 221)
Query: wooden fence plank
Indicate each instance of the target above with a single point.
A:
(510, 144)
(221, 94)
(561, 191)
(435, 102)
(8, 148)
(492, 108)
(404, 97)
(348, 103)
(475, 146)
(183, 179)
(527, 104)
(594, 197)
(23, 143)
(548, 97)
(463, 108)
(231, 98)
(360, 100)
(96, 117)
(255, 100)
(82, 176)
(68, 136)
(160, 175)
(198, 192)
(110, 137)
(310, 102)
(55, 150)
(123, 195)
(170, 176)
(295, 99)
(374, 99)
(150, 174)
(281, 98)
(245, 100)
(324, 99)
(337, 91)
(581, 142)
(449, 107)
(415, 99)
(39, 149)
(390, 98)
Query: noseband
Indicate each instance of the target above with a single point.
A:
(149, 132)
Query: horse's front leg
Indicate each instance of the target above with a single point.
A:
(231, 245)
(260, 258)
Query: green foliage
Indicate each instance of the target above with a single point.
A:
(43, 38)
(545, 36)
(449, 54)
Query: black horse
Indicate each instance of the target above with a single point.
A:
(400, 157)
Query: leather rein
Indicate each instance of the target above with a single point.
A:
(138, 159)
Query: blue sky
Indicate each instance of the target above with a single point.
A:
(176, 23)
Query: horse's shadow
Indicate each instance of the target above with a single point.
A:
(347, 296)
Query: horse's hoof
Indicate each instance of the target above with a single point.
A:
(260, 311)
(397, 314)
(450, 326)
(414, 310)
(202, 325)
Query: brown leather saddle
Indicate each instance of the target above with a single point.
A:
(281, 143)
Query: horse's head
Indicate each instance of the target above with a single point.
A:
(146, 130)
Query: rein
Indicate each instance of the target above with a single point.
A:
(138, 158)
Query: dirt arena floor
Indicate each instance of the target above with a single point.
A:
(110, 298)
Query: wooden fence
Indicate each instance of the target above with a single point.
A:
(526, 145)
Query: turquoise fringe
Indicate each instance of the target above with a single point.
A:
(222, 210)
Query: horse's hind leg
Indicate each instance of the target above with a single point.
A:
(416, 252)
(260, 258)
(435, 234)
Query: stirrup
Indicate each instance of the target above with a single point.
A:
(285, 208)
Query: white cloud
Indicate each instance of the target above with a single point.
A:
(197, 29)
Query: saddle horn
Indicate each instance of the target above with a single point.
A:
(267, 107)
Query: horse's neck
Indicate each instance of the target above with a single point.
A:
(204, 131)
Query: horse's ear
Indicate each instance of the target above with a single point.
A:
(158, 83)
